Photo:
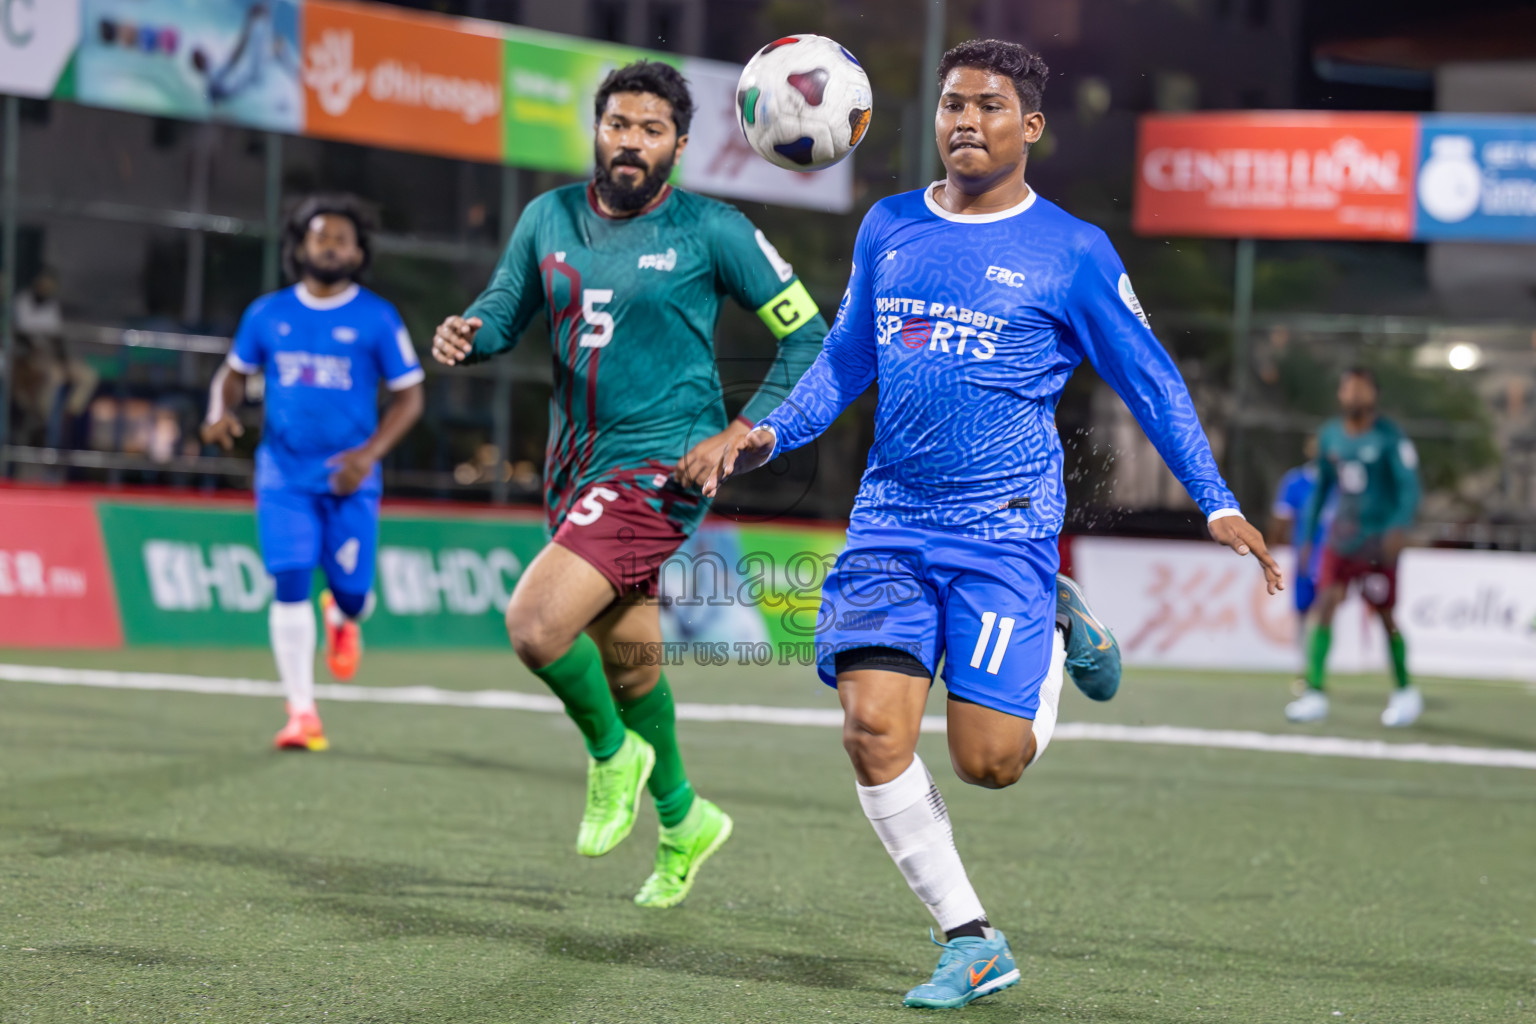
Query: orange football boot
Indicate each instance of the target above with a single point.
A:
(343, 640)
(303, 732)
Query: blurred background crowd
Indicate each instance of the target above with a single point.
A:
(136, 239)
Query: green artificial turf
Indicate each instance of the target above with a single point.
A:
(159, 863)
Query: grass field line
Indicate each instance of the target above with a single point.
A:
(759, 714)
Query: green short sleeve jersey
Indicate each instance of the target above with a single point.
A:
(1376, 474)
(632, 305)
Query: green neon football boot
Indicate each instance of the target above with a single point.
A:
(683, 849)
(614, 787)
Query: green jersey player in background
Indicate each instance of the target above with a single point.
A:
(1373, 467)
(630, 273)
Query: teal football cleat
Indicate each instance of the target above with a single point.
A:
(1093, 656)
(968, 969)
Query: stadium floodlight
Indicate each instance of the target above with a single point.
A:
(1464, 356)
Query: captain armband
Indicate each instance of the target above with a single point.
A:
(788, 311)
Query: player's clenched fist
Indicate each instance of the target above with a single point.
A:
(454, 338)
(742, 455)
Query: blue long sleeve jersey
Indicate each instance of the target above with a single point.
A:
(972, 325)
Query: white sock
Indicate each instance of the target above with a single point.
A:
(1050, 697)
(292, 625)
(911, 820)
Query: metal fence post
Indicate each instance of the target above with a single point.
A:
(12, 132)
(1242, 329)
(501, 396)
(271, 245)
(933, 49)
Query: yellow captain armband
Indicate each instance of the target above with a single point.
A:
(788, 311)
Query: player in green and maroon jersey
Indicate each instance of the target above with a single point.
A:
(630, 273)
(1373, 468)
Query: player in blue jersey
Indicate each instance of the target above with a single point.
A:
(323, 346)
(1291, 497)
(971, 301)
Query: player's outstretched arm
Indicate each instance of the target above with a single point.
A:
(1243, 537)
(743, 454)
(224, 395)
(454, 339)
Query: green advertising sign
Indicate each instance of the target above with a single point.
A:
(793, 564)
(446, 582)
(194, 576)
(550, 82)
(186, 575)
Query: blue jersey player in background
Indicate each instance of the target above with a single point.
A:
(1286, 518)
(971, 301)
(323, 347)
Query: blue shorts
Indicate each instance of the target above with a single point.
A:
(338, 533)
(986, 607)
(1305, 590)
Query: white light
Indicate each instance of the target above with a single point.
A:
(1463, 356)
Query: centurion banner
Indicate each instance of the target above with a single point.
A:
(1305, 174)
(377, 75)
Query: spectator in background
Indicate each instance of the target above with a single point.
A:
(52, 388)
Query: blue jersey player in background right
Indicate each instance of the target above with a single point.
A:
(323, 346)
(971, 301)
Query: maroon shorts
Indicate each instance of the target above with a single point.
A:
(1377, 577)
(614, 526)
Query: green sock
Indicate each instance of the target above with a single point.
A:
(655, 718)
(577, 679)
(1399, 648)
(1317, 655)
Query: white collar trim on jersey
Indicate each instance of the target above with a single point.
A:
(975, 218)
(313, 301)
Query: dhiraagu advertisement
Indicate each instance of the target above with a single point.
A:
(549, 88)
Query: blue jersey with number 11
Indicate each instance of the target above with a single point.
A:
(972, 325)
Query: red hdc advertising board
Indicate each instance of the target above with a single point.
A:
(1283, 174)
(55, 588)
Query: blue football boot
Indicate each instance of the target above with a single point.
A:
(1093, 656)
(969, 968)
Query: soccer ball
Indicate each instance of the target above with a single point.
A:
(803, 102)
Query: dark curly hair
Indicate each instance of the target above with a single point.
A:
(1025, 69)
(340, 204)
(1365, 373)
(653, 77)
